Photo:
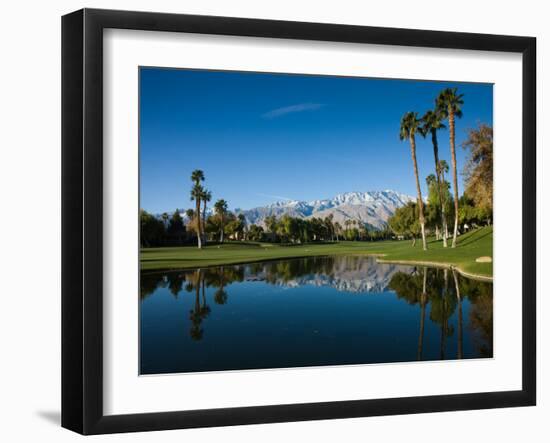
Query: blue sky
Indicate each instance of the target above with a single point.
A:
(261, 138)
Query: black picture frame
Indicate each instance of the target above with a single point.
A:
(82, 218)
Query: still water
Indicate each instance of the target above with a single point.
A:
(309, 312)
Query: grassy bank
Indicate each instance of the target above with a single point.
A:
(470, 246)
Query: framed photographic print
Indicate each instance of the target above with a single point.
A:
(270, 221)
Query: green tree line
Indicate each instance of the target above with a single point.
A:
(200, 228)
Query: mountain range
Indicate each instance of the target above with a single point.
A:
(362, 275)
(371, 208)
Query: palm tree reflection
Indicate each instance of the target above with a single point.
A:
(443, 307)
(422, 287)
(423, 299)
(459, 300)
(198, 313)
(432, 286)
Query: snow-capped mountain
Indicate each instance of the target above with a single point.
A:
(347, 274)
(371, 208)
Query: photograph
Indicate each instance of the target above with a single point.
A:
(299, 220)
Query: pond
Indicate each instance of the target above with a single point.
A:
(314, 311)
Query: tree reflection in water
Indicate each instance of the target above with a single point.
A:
(434, 286)
(442, 291)
(196, 281)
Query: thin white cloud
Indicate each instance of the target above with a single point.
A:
(276, 197)
(301, 107)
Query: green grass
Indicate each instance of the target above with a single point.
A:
(470, 246)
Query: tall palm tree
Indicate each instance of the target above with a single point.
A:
(410, 124)
(196, 194)
(442, 169)
(205, 198)
(221, 209)
(197, 176)
(449, 103)
(432, 121)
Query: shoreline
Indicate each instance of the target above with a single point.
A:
(259, 260)
(479, 277)
(470, 275)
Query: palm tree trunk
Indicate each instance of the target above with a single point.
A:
(204, 223)
(221, 229)
(455, 179)
(446, 227)
(439, 184)
(198, 228)
(419, 192)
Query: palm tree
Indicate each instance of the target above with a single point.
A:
(190, 213)
(449, 103)
(337, 230)
(196, 194)
(432, 121)
(410, 124)
(242, 226)
(347, 223)
(197, 176)
(221, 209)
(165, 217)
(205, 198)
(442, 169)
(330, 225)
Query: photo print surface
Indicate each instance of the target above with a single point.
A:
(292, 220)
